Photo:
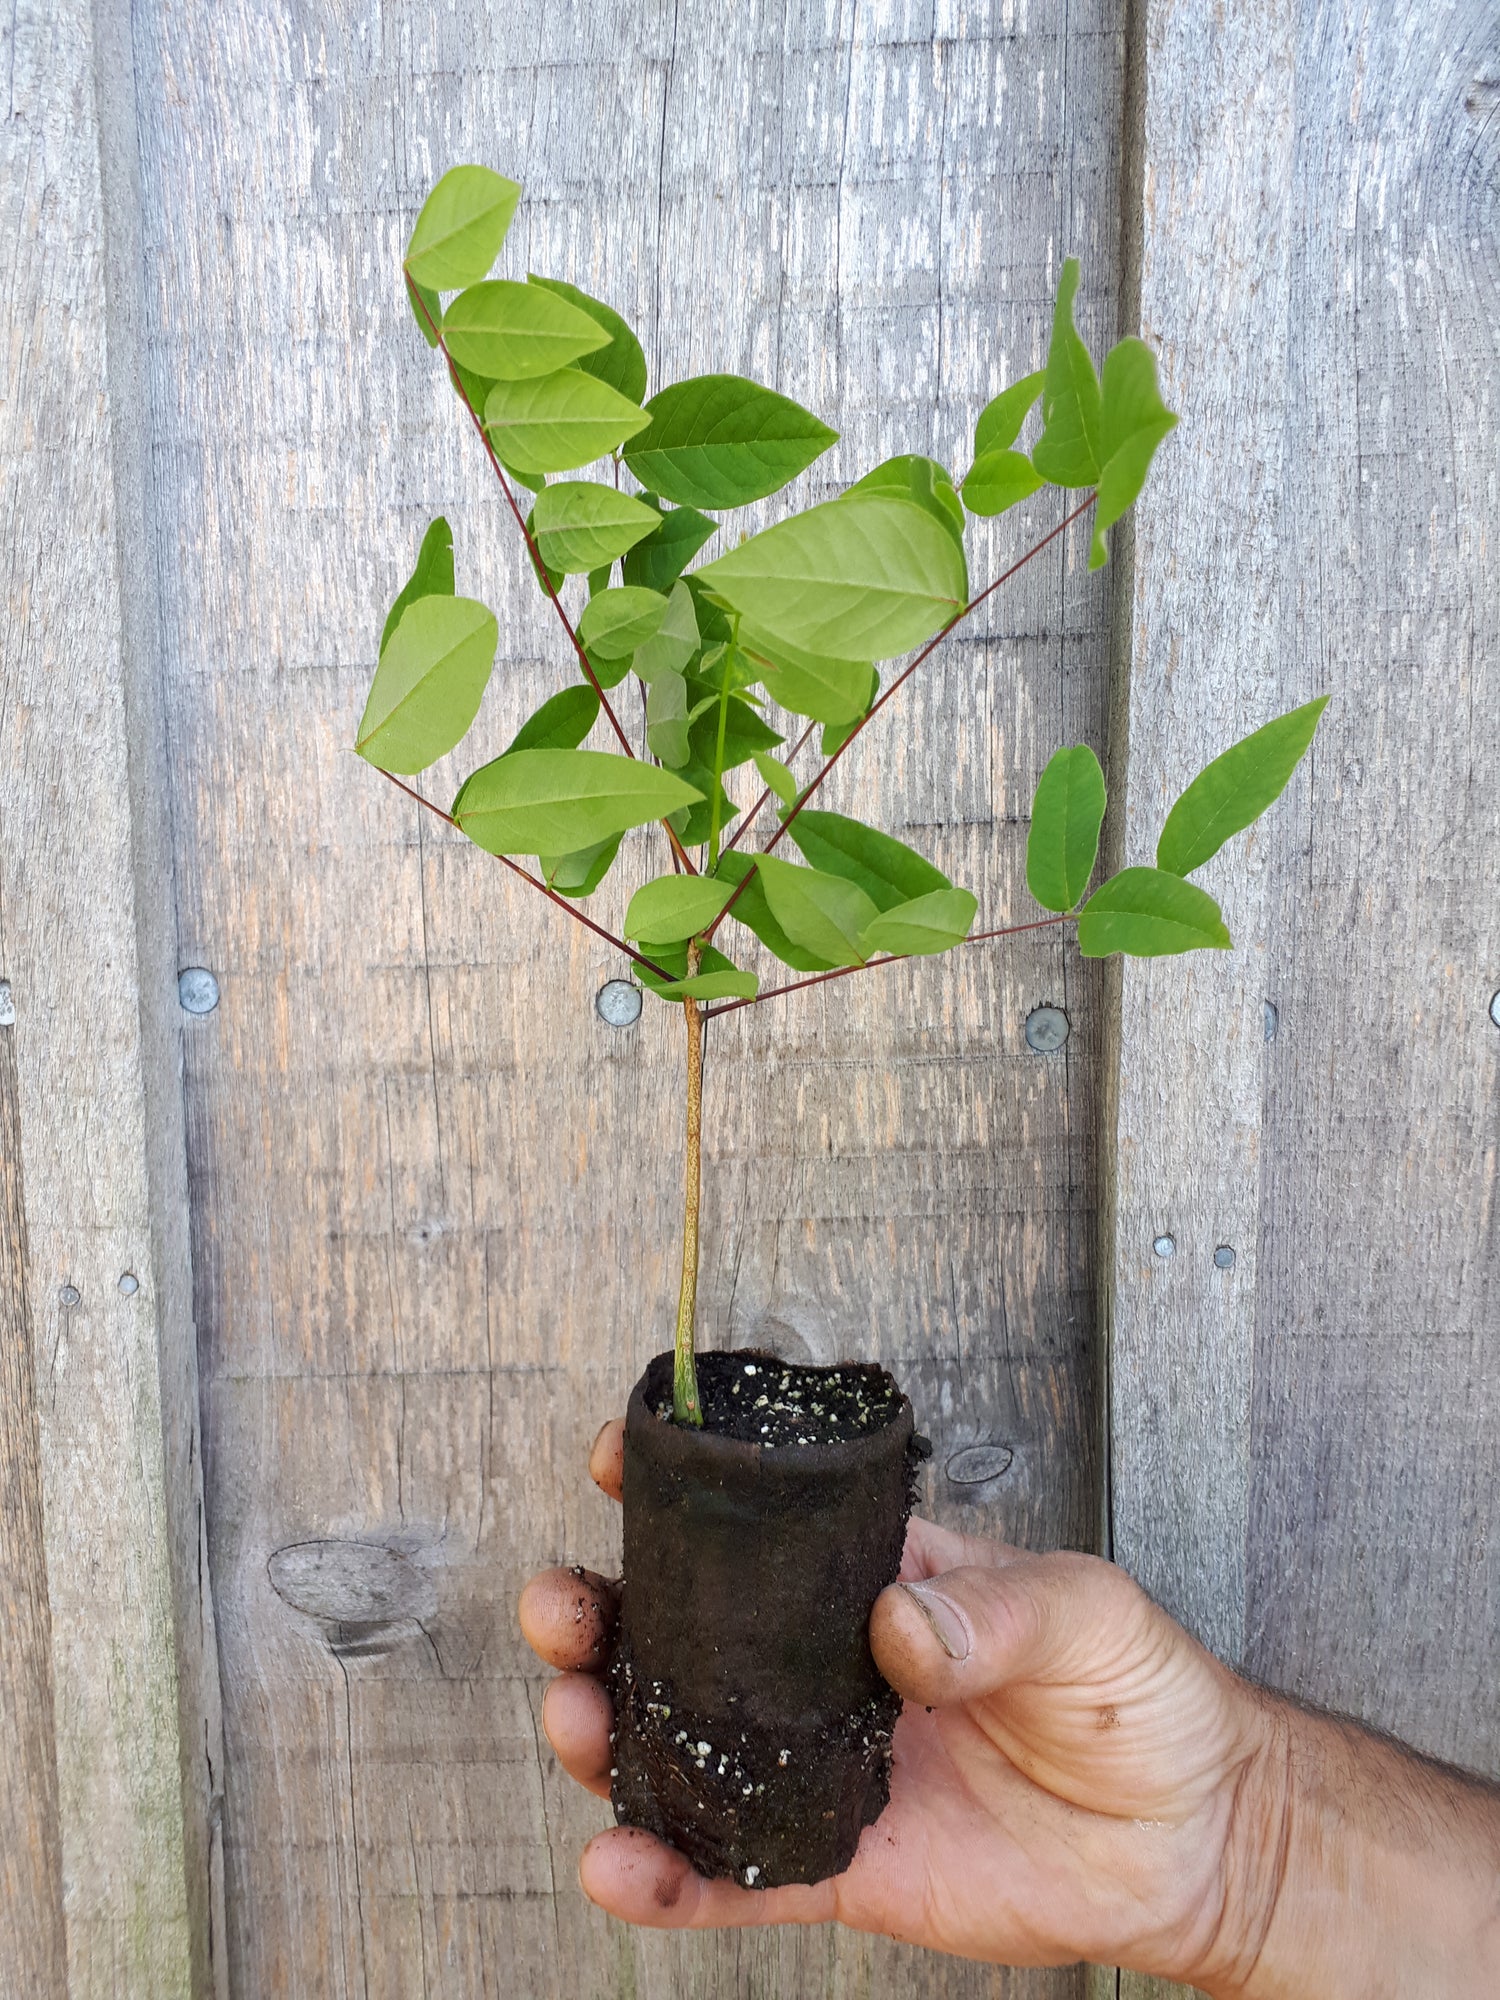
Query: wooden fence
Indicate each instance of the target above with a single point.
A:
(320, 1265)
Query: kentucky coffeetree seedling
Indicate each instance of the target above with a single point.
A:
(737, 646)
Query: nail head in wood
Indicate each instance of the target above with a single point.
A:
(69, 1295)
(1494, 1007)
(1165, 1246)
(130, 1284)
(8, 1005)
(1224, 1257)
(197, 989)
(1273, 1020)
(619, 1003)
(1046, 1029)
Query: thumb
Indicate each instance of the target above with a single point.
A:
(960, 1636)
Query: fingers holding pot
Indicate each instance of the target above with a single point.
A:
(568, 1617)
(577, 1717)
(607, 1459)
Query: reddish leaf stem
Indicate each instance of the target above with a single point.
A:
(536, 883)
(905, 675)
(843, 971)
(535, 553)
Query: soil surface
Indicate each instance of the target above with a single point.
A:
(753, 1730)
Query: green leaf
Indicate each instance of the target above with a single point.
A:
(751, 909)
(999, 479)
(826, 690)
(667, 719)
(432, 577)
(429, 684)
(1069, 449)
(673, 643)
(616, 621)
(556, 422)
(777, 777)
(580, 874)
(1235, 789)
(924, 926)
(1066, 815)
(461, 227)
(580, 524)
(656, 563)
(1148, 913)
(1135, 422)
(928, 484)
(558, 801)
(609, 673)
(746, 735)
(836, 734)
(720, 441)
(826, 913)
(674, 907)
(867, 576)
(544, 575)
(621, 362)
(426, 310)
(1000, 421)
(716, 979)
(561, 723)
(510, 332)
(888, 871)
(598, 579)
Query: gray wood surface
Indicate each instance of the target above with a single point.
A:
(1304, 1447)
(433, 1195)
(96, 1298)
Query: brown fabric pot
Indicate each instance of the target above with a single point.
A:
(752, 1729)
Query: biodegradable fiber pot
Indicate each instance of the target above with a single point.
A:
(753, 1730)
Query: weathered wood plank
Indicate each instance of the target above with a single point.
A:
(31, 1875)
(83, 943)
(1303, 1445)
(433, 1211)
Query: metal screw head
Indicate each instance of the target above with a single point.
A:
(69, 1295)
(8, 1005)
(1165, 1246)
(1273, 1020)
(1494, 1007)
(1046, 1029)
(619, 1003)
(198, 990)
(130, 1284)
(1224, 1257)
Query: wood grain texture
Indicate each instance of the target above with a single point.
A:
(81, 941)
(433, 1194)
(1304, 1447)
(31, 1874)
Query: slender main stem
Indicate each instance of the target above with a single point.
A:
(685, 1405)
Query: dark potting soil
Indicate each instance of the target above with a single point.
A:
(753, 1730)
(765, 1401)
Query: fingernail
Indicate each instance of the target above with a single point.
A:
(949, 1626)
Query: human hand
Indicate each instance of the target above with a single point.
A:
(1073, 1775)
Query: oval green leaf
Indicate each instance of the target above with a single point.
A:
(674, 907)
(1069, 451)
(621, 362)
(777, 777)
(1236, 788)
(580, 874)
(581, 524)
(864, 577)
(558, 801)
(835, 691)
(561, 723)
(924, 926)
(1066, 816)
(656, 563)
(429, 683)
(824, 913)
(461, 227)
(1000, 420)
(751, 909)
(432, 577)
(924, 481)
(510, 333)
(721, 441)
(1135, 422)
(716, 979)
(616, 621)
(886, 869)
(1148, 913)
(998, 480)
(557, 422)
